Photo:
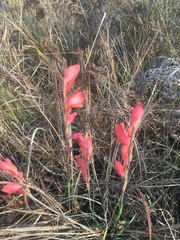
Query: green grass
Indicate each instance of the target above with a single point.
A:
(38, 41)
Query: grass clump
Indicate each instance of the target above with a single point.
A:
(115, 43)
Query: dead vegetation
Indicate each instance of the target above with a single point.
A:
(115, 42)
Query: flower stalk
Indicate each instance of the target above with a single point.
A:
(73, 101)
(126, 138)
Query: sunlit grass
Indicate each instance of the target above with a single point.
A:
(38, 42)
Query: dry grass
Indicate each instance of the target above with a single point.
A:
(39, 39)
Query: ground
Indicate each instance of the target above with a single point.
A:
(115, 43)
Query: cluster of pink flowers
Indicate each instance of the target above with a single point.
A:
(17, 177)
(76, 101)
(126, 138)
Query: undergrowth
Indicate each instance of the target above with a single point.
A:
(114, 42)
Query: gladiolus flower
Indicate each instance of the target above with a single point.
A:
(70, 76)
(122, 134)
(12, 188)
(136, 115)
(119, 168)
(75, 101)
(83, 165)
(70, 118)
(20, 175)
(76, 136)
(85, 144)
(8, 167)
(126, 138)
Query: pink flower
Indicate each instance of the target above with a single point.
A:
(125, 153)
(122, 134)
(74, 101)
(85, 144)
(70, 76)
(119, 168)
(83, 165)
(12, 187)
(76, 136)
(136, 116)
(8, 167)
(20, 175)
(70, 118)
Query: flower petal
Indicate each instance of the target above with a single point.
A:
(20, 175)
(71, 117)
(75, 101)
(12, 188)
(82, 164)
(70, 76)
(8, 167)
(122, 134)
(136, 115)
(119, 168)
(84, 143)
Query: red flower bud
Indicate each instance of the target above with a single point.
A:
(12, 187)
(70, 76)
(71, 117)
(122, 134)
(74, 101)
(8, 167)
(119, 168)
(83, 165)
(136, 115)
(85, 144)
